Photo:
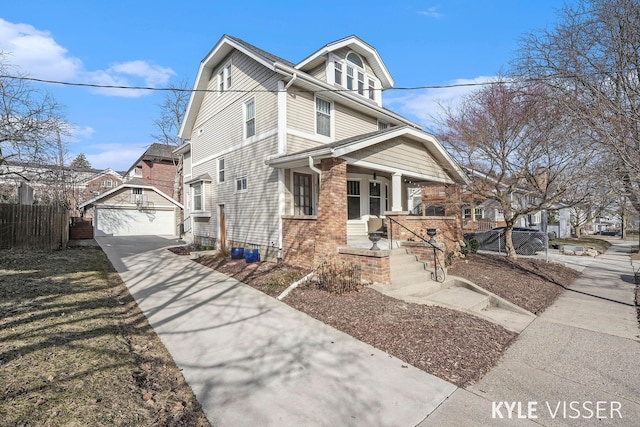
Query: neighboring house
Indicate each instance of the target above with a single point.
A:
(481, 214)
(99, 183)
(133, 208)
(156, 167)
(51, 183)
(293, 159)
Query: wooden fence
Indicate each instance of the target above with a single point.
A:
(33, 227)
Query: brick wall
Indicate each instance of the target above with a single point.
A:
(424, 252)
(331, 228)
(160, 175)
(375, 266)
(449, 229)
(298, 240)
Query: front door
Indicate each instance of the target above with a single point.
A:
(222, 229)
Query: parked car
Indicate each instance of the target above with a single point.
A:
(609, 233)
(527, 241)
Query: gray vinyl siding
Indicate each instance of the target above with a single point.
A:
(296, 143)
(251, 217)
(320, 72)
(220, 121)
(411, 155)
(350, 123)
(301, 110)
(124, 197)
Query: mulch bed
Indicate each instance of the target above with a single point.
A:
(455, 346)
(532, 284)
(451, 345)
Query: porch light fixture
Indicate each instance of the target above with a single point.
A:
(374, 176)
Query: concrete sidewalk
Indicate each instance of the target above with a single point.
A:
(583, 350)
(254, 361)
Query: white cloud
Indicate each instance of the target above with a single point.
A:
(38, 54)
(427, 104)
(119, 157)
(78, 133)
(432, 12)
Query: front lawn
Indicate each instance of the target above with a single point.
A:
(75, 349)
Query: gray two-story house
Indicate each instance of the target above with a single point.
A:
(295, 158)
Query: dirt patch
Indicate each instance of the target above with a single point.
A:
(75, 349)
(452, 345)
(532, 284)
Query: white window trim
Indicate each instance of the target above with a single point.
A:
(332, 116)
(224, 75)
(246, 119)
(246, 184)
(223, 170)
(330, 72)
(193, 196)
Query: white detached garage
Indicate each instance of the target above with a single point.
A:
(133, 209)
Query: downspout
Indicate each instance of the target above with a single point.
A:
(293, 79)
(315, 169)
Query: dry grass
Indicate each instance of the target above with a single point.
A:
(76, 350)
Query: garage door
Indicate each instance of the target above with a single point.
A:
(132, 222)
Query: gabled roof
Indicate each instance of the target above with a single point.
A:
(289, 71)
(357, 45)
(156, 152)
(344, 147)
(134, 183)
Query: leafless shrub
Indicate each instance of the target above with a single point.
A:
(338, 277)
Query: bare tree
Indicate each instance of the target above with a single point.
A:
(592, 62)
(172, 110)
(30, 123)
(521, 152)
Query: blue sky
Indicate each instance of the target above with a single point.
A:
(158, 43)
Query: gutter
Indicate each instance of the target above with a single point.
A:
(315, 169)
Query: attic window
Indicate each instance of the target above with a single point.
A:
(350, 73)
(355, 59)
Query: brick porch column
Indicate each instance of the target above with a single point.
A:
(331, 226)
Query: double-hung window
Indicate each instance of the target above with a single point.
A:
(224, 79)
(250, 118)
(353, 199)
(302, 194)
(374, 198)
(196, 191)
(337, 67)
(349, 77)
(351, 73)
(323, 117)
(221, 169)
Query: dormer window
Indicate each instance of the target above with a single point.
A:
(355, 59)
(350, 73)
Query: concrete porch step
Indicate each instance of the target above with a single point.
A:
(411, 282)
